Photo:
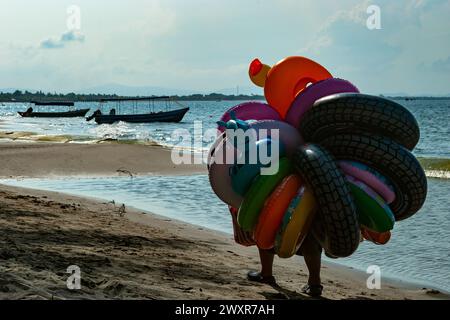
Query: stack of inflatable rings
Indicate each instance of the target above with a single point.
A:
(345, 170)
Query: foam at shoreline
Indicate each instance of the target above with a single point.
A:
(35, 137)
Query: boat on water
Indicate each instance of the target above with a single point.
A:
(161, 116)
(152, 116)
(30, 113)
(53, 103)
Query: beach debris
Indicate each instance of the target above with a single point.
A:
(125, 171)
(432, 291)
(122, 210)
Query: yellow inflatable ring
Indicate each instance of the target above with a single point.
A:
(296, 224)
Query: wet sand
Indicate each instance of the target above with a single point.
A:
(44, 159)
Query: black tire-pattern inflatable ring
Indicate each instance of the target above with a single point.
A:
(337, 210)
(359, 113)
(390, 159)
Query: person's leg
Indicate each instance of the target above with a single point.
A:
(265, 275)
(313, 261)
(266, 258)
(312, 253)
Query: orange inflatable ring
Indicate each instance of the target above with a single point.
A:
(273, 212)
(380, 238)
(288, 78)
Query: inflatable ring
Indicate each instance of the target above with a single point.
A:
(213, 148)
(359, 113)
(390, 159)
(220, 169)
(219, 173)
(289, 77)
(242, 175)
(376, 237)
(373, 212)
(305, 100)
(250, 111)
(255, 197)
(273, 212)
(370, 177)
(288, 135)
(337, 210)
(317, 230)
(296, 224)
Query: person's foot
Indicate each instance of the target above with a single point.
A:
(313, 290)
(256, 276)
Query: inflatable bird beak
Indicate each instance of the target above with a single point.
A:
(258, 72)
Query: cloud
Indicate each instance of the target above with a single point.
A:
(319, 43)
(69, 36)
(177, 44)
(324, 38)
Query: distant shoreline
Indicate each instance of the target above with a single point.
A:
(26, 96)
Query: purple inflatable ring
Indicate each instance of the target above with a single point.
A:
(288, 135)
(305, 99)
(251, 111)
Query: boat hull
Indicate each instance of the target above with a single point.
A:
(163, 116)
(66, 114)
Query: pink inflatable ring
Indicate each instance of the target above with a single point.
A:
(371, 178)
(251, 111)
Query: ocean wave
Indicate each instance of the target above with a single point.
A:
(438, 174)
(25, 136)
(436, 167)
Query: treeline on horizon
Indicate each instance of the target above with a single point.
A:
(26, 96)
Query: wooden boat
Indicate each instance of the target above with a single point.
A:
(160, 116)
(53, 103)
(65, 114)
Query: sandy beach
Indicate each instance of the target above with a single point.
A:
(46, 159)
(134, 254)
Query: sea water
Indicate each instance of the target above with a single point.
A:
(419, 250)
(433, 117)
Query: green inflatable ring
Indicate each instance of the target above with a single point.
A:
(259, 191)
(373, 212)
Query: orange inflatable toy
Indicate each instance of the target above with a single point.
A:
(274, 209)
(286, 79)
(376, 237)
(258, 72)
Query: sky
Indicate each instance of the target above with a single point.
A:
(207, 45)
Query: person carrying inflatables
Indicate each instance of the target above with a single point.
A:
(310, 250)
(344, 172)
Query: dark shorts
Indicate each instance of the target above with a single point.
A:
(309, 246)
